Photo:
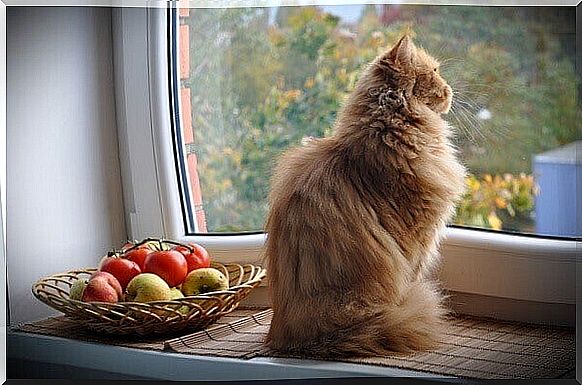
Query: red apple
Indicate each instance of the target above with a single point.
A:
(111, 280)
(138, 255)
(122, 269)
(197, 259)
(168, 264)
(102, 287)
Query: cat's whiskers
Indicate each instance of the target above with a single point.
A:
(463, 102)
(464, 98)
(476, 124)
(451, 60)
(461, 124)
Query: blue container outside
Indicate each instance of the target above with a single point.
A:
(558, 207)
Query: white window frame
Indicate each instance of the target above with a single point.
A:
(475, 262)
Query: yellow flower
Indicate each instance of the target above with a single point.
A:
(494, 221)
(500, 202)
(473, 184)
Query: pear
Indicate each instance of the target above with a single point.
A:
(147, 287)
(204, 280)
(77, 289)
(177, 294)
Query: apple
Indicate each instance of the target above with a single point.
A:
(138, 255)
(168, 264)
(204, 280)
(111, 280)
(77, 289)
(122, 269)
(102, 287)
(147, 287)
(196, 258)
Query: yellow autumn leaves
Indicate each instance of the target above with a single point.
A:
(493, 200)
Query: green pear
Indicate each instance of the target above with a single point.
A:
(77, 289)
(204, 280)
(177, 294)
(147, 287)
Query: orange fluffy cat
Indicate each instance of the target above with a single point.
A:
(356, 218)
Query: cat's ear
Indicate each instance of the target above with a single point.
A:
(401, 56)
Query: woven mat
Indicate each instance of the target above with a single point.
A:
(473, 348)
(62, 326)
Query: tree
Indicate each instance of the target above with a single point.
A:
(261, 87)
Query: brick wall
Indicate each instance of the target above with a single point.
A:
(187, 129)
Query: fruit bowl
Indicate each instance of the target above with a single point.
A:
(158, 317)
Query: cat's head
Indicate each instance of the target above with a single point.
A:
(413, 71)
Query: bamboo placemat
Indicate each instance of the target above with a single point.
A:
(473, 347)
(64, 327)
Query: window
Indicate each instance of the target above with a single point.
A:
(164, 166)
(256, 81)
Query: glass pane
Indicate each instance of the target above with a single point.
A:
(256, 81)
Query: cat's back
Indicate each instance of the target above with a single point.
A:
(303, 169)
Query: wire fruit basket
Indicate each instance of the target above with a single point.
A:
(157, 317)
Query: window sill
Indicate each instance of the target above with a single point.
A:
(105, 361)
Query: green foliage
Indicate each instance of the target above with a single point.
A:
(259, 88)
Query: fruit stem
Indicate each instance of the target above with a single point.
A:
(160, 241)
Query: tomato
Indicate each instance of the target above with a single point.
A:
(138, 255)
(168, 264)
(182, 249)
(196, 259)
(122, 269)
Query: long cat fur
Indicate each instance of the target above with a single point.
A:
(355, 219)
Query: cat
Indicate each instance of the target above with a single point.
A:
(355, 219)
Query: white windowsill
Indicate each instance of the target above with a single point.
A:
(476, 262)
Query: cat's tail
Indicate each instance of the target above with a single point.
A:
(416, 323)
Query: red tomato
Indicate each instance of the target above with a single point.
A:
(182, 249)
(138, 255)
(168, 264)
(196, 259)
(122, 269)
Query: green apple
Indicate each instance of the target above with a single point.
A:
(204, 280)
(77, 289)
(147, 287)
